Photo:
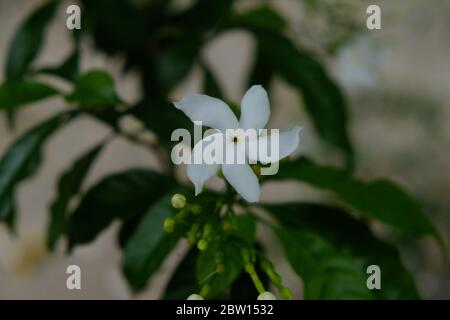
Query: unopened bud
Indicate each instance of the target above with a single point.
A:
(220, 268)
(169, 225)
(195, 297)
(227, 226)
(266, 296)
(202, 244)
(178, 201)
(195, 209)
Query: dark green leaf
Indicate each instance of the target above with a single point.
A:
(120, 196)
(327, 273)
(262, 70)
(149, 245)
(21, 160)
(245, 228)
(322, 97)
(14, 94)
(162, 118)
(94, 90)
(176, 61)
(68, 70)
(28, 40)
(260, 18)
(206, 267)
(321, 240)
(380, 199)
(183, 282)
(232, 260)
(69, 186)
(211, 86)
(204, 15)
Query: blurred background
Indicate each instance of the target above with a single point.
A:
(396, 81)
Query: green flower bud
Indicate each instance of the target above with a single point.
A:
(220, 268)
(227, 226)
(178, 201)
(266, 296)
(195, 297)
(169, 225)
(207, 229)
(195, 209)
(192, 235)
(202, 244)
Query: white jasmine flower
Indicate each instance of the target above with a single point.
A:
(255, 113)
(266, 296)
(195, 297)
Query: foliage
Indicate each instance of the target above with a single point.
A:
(328, 246)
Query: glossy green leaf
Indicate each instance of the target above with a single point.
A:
(211, 86)
(204, 15)
(259, 18)
(69, 68)
(379, 199)
(176, 61)
(262, 70)
(331, 251)
(322, 97)
(149, 244)
(183, 281)
(232, 260)
(69, 186)
(94, 90)
(21, 160)
(162, 118)
(15, 94)
(28, 40)
(120, 196)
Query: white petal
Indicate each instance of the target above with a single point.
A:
(199, 173)
(255, 108)
(287, 143)
(243, 180)
(212, 112)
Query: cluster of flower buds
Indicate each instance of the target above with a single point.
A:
(179, 201)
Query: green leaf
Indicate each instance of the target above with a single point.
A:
(331, 251)
(379, 199)
(162, 118)
(21, 160)
(322, 97)
(14, 94)
(69, 186)
(68, 70)
(262, 70)
(176, 61)
(183, 282)
(27, 41)
(259, 18)
(206, 267)
(232, 260)
(211, 86)
(149, 245)
(204, 15)
(94, 90)
(120, 196)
